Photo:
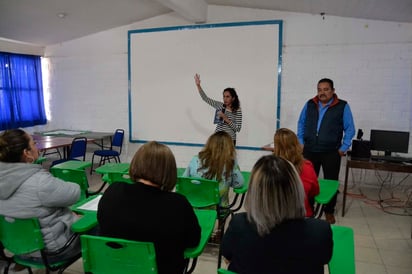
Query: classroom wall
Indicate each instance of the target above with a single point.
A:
(370, 62)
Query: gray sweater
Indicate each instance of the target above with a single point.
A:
(27, 191)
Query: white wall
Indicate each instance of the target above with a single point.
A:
(370, 62)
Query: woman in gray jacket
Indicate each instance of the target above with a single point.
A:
(28, 191)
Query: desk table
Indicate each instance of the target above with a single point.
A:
(44, 143)
(114, 172)
(92, 135)
(73, 165)
(373, 165)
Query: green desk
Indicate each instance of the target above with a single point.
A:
(73, 165)
(207, 219)
(180, 171)
(241, 191)
(114, 172)
(88, 220)
(327, 189)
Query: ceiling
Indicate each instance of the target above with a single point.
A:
(38, 22)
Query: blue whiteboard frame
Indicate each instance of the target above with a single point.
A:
(218, 25)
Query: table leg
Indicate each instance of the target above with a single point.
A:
(345, 187)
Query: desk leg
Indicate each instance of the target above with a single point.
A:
(345, 187)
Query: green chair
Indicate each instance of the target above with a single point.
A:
(180, 171)
(327, 189)
(240, 192)
(103, 255)
(200, 192)
(343, 257)
(203, 194)
(113, 172)
(23, 236)
(225, 271)
(75, 176)
(40, 160)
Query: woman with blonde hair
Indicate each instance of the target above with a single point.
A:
(273, 235)
(149, 211)
(217, 161)
(287, 146)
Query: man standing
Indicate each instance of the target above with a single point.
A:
(326, 129)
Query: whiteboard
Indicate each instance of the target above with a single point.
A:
(164, 104)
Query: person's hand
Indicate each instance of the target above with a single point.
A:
(197, 79)
(341, 153)
(222, 116)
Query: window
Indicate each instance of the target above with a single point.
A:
(21, 91)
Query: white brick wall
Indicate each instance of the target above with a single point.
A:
(370, 62)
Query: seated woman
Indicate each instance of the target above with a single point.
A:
(273, 235)
(29, 191)
(148, 211)
(217, 161)
(287, 146)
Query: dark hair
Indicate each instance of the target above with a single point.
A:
(12, 144)
(236, 102)
(326, 80)
(156, 163)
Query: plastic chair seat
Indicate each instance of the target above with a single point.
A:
(328, 189)
(109, 255)
(106, 153)
(72, 175)
(23, 236)
(343, 257)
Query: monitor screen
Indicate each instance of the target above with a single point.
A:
(389, 141)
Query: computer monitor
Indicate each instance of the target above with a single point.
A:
(389, 141)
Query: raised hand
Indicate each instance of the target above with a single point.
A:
(197, 79)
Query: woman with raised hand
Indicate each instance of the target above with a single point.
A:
(229, 110)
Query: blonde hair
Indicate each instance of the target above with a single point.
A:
(218, 156)
(156, 163)
(275, 194)
(287, 146)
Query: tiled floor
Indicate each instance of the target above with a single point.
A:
(383, 243)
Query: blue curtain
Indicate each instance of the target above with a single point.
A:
(21, 91)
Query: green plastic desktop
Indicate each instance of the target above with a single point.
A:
(114, 172)
(328, 189)
(343, 257)
(73, 165)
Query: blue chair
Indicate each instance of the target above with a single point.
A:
(77, 150)
(113, 152)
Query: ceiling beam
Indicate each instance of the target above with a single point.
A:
(192, 10)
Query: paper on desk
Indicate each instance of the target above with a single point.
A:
(91, 205)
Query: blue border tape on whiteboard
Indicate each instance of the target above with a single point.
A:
(213, 25)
